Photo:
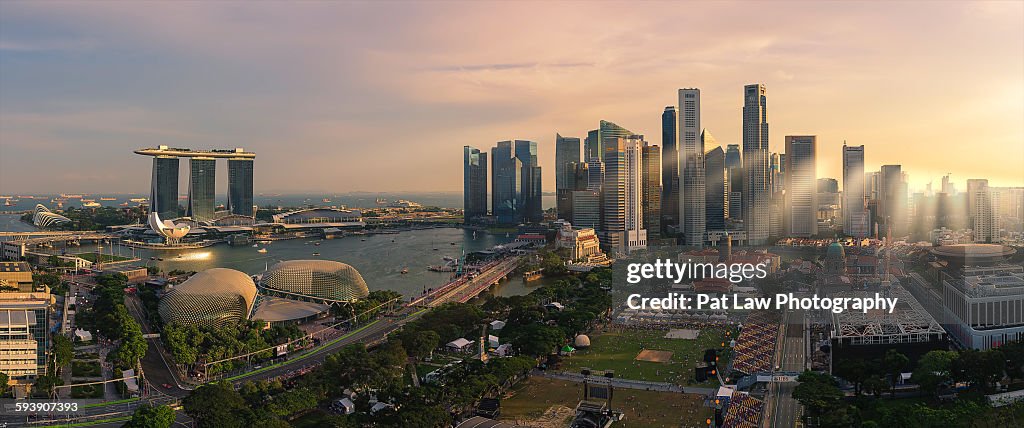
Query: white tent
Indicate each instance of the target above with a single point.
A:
(460, 344)
(83, 335)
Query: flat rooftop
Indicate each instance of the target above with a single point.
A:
(189, 153)
(274, 309)
(15, 267)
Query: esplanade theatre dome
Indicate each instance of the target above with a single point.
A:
(320, 279)
(215, 297)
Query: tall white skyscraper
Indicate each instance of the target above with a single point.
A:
(982, 211)
(856, 222)
(623, 195)
(801, 181)
(756, 193)
(691, 168)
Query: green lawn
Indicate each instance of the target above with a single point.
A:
(616, 350)
(533, 396)
(87, 391)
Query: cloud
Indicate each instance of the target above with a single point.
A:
(370, 96)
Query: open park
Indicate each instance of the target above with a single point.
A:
(646, 354)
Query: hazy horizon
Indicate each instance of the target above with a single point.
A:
(380, 97)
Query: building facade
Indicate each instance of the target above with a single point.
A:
(856, 222)
(716, 183)
(163, 195)
(240, 187)
(801, 181)
(651, 188)
(756, 190)
(734, 170)
(474, 184)
(24, 339)
(892, 201)
(691, 168)
(669, 170)
(202, 188)
(622, 222)
(567, 157)
(985, 306)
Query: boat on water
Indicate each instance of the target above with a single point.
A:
(316, 254)
(261, 250)
(364, 239)
(326, 201)
(405, 270)
(255, 245)
(67, 196)
(316, 244)
(124, 204)
(91, 204)
(108, 199)
(139, 200)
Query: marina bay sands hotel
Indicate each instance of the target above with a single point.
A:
(163, 198)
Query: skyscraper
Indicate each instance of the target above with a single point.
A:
(240, 187)
(801, 183)
(669, 170)
(606, 133)
(734, 168)
(691, 168)
(651, 188)
(982, 211)
(622, 226)
(530, 193)
(567, 156)
(892, 201)
(856, 222)
(756, 196)
(474, 186)
(505, 183)
(202, 188)
(716, 181)
(163, 196)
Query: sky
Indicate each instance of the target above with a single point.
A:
(347, 96)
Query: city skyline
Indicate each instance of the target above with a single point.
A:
(110, 78)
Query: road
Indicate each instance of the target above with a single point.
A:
(783, 409)
(626, 383)
(158, 372)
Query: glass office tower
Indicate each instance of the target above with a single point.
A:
(474, 192)
(163, 197)
(240, 187)
(201, 189)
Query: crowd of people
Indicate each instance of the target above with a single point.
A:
(755, 346)
(744, 411)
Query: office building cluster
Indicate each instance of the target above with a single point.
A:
(697, 191)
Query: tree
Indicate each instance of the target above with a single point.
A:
(218, 405)
(3, 384)
(147, 416)
(933, 369)
(875, 385)
(63, 350)
(422, 344)
(855, 371)
(45, 384)
(894, 363)
(818, 392)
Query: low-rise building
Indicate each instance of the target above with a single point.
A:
(582, 242)
(984, 306)
(24, 325)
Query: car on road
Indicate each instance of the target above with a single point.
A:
(167, 386)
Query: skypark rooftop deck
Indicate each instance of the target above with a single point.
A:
(237, 153)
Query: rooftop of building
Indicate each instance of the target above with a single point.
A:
(273, 309)
(15, 267)
(909, 317)
(190, 153)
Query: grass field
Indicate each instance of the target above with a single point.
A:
(533, 396)
(616, 350)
